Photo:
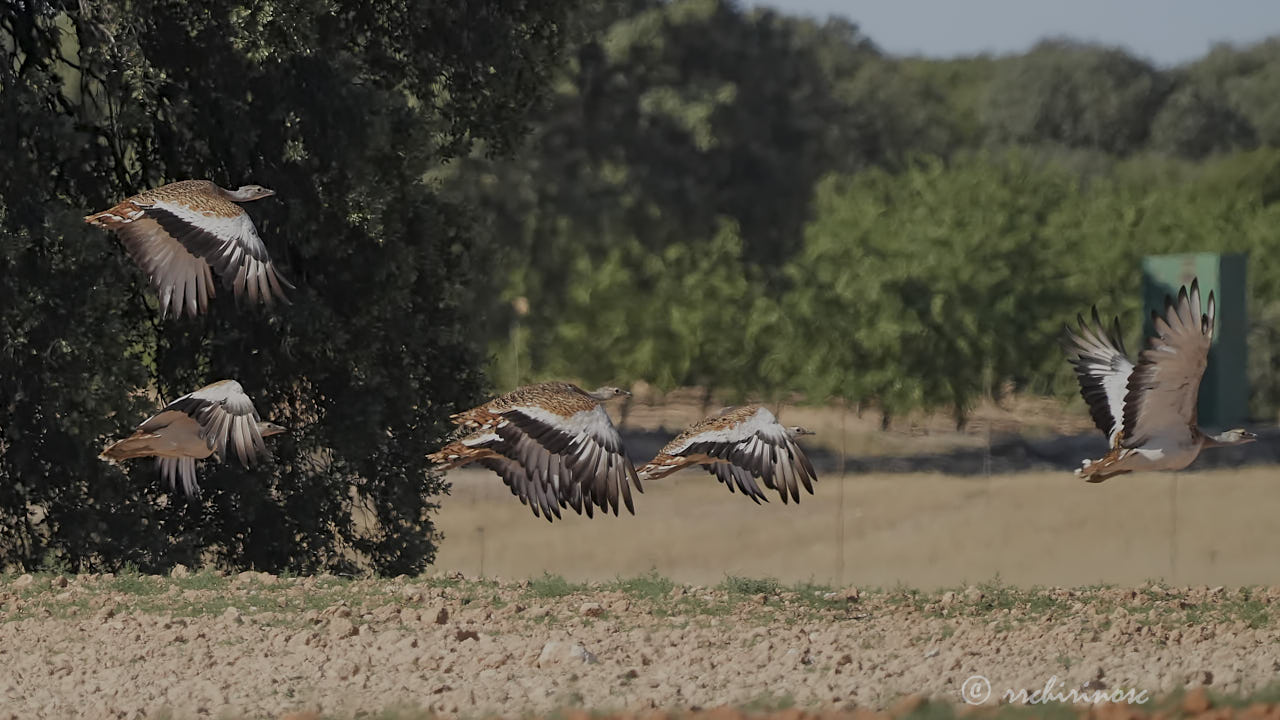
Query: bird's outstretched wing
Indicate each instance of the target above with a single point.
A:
(1164, 388)
(736, 446)
(226, 416)
(1102, 366)
(553, 445)
(177, 232)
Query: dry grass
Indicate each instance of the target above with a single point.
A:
(922, 531)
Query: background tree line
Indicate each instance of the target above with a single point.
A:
(687, 193)
(765, 204)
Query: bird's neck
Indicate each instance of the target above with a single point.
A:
(1219, 440)
(237, 195)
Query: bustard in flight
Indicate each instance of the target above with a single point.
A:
(1148, 412)
(178, 232)
(213, 420)
(553, 444)
(737, 445)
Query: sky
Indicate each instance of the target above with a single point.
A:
(1167, 32)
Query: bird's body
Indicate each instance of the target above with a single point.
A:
(210, 421)
(181, 233)
(1148, 411)
(737, 445)
(554, 446)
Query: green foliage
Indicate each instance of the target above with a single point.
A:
(552, 586)
(1082, 96)
(651, 587)
(670, 222)
(919, 284)
(735, 585)
(342, 108)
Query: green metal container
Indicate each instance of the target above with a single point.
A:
(1224, 392)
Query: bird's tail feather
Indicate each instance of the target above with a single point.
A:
(133, 446)
(453, 455)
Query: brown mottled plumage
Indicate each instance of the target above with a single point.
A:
(178, 233)
(737, 445)
(554, 446)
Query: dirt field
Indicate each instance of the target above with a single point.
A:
(260, 646)
(922, 531)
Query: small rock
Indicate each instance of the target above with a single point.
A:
(556, 652)
(844, 660)
(341, 628)
(461, 635)
(385, 613)
(591, 609)
(536, 612)
(58, 582)
(24, 580)
(1201, 677)
(232, 615)
(342, 669)
(948, 598)
(438, 615)
(180, 572)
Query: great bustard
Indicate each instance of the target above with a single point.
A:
(554, 446)
(1148, 412)
(210, 421)
(737, 445)
(177, 232)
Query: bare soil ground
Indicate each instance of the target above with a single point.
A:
(1049, 528)
(255, 645)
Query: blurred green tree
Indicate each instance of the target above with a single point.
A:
(1074, 94)
(931, 288)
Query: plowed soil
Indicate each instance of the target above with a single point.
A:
(255, 645)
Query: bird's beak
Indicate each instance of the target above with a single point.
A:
(626, 393)
(1250, 436)
(267, 193)
(804, 431)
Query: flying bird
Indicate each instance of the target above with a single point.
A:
(215, 420)
(1148, 412)
(554, 446)
(738, 445)
(178, 233)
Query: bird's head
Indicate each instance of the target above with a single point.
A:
(1236, 436)
(797, 430)
(245, 193)
(609, 392)
(267, 429)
